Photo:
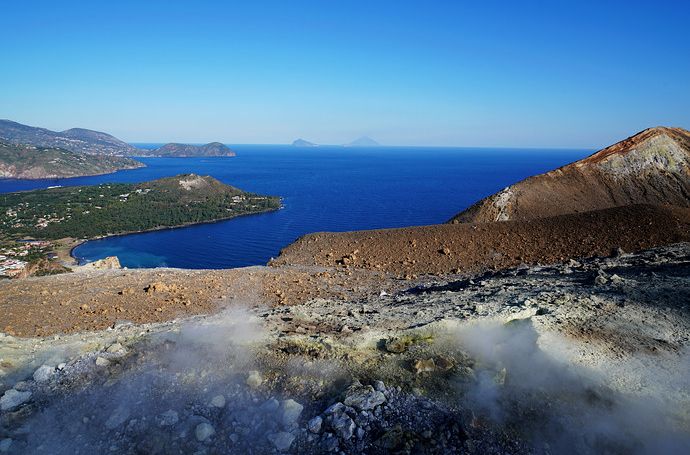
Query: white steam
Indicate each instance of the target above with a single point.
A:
(564, 407)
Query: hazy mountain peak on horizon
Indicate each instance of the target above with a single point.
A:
(303, 143)
(80, 140)
(364, 141)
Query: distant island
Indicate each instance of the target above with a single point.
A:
(21, 161)
(303, 143)
(363, 141)
(89, 142)
(116, 208)
(188, 150)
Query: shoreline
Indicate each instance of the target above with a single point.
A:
(72, 176)
(75, 261)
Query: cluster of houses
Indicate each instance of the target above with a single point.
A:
(12, 261)
(41, 222)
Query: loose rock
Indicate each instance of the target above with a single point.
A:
(12, 399)
(254, 379)
(281, 440)
(203, 431)
(363, 398)
(290, 411)
(117, 418)
(168, 418)
(218, 401)
(343, 426)
(314, 425)
(43, 373)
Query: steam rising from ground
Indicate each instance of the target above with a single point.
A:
(563, 407)
(177, 375)
(526, 385)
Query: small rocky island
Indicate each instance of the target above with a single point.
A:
(188, 150)
(303, 143)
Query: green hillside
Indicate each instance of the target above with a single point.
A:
(92, 211)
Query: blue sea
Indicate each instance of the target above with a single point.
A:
(323, 189)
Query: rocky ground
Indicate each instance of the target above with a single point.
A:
(461, 248)
(342, 267)
(93, 299)
(587, 356)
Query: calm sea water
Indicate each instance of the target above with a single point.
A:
(323, 189)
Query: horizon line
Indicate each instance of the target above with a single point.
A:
(346, 146)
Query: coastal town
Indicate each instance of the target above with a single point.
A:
(15, 256)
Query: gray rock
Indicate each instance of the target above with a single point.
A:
(335, 408)
(117, 418)
(22, 386)
(379, 386)
(203, 431)
(314, 424)
(5, 445)
(363, 398)
(573, 263)
(343, 426)
(12, 399)
(616, 279)
(601, 280)
(270, 406)
(254, 380)
(281, 440)
(168, 418)
(218, 401)
(43, 373)
(290, 411)
(102, 361)
(329, 442)
(115, 347)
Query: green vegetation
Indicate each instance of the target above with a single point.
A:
(93, 211)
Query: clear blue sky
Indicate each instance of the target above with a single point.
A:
(481, 73)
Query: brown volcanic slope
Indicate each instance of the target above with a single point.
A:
(651, 167)
(330, 266)
(468, 248)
